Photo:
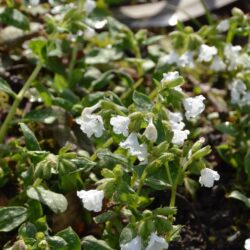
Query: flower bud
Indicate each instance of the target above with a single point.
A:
(151, 132)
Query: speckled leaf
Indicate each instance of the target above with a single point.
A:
(30, 139)
(12, 217)
(56, 202)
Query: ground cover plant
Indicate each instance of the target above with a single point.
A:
(105, 131)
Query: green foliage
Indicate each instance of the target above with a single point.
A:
(12, 217)
(91, 70)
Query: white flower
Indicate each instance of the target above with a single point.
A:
(232, 54)
(170, 76)
(238, 89)
(170, 58)
(193, 106)
(89, 32)
(217, 64)
(223, 26)
(135, 149)
(89, 6)
(175, 120)
(120, 124)
(247, 244)
(179, 136)
(134, 244)
(91, 199)
(206, 53)
(91, 123)
(151, 131)
(208, 176)
(156, 243)
(186, 60)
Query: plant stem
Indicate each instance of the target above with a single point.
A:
(72, 62)
(142, 179)
(207, 12)
(37, 182)
(18, 99)
(174, 189)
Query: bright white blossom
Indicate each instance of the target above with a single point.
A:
(232, 55)
(170, 76)
(151, 131)
(120, 124)
(175, 120)
(91, 199)
(156, 243)
(208, 176)
(238, 89)
(186, 60)
(247, 244)
(134, 244)
(135, 149)
(223, 26)
(217, 64)
(91, 123)
(193, 106)
(206, 53)
(179, 136)
(89, 6)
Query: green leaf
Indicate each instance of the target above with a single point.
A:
(83, 163)
(35, 210)
(239, 196)
(27, 230)
(60, 82)
(5, 87)
(46, 116)
(30, 139)
(162, 224)
(91, 243)
(227, 128)
(109, 157)
(56, 202)
(72, 239)
(12, 217)
(15, 18)
(142, 101)
(38, 45)
(127, 234)
(105, 217)
(103, 56)
(56, 242)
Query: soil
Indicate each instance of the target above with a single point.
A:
(212, 221)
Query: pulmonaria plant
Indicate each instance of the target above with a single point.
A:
(146, 143)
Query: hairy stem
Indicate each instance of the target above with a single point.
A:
(18, 99)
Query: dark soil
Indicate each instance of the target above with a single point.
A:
(212, 221)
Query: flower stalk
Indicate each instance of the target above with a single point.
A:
(18, 99)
